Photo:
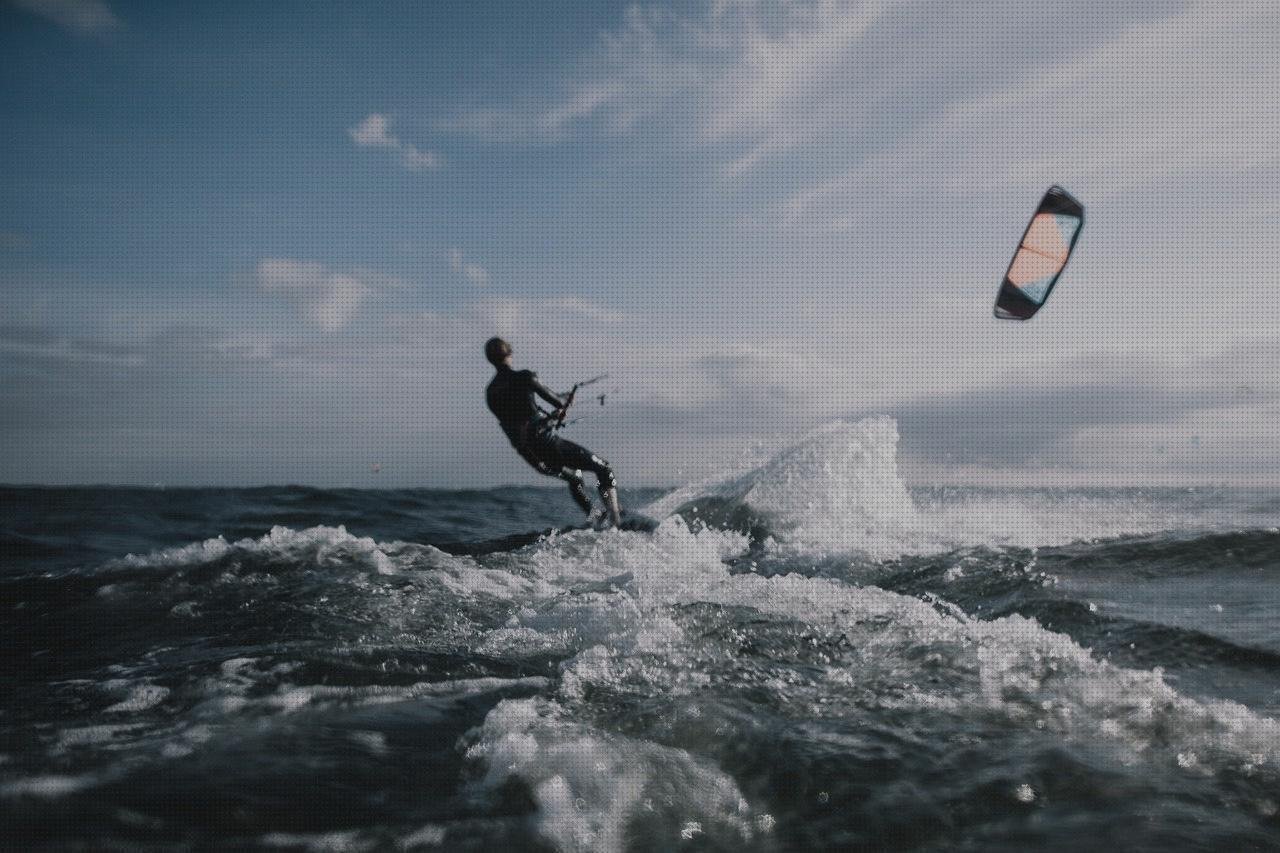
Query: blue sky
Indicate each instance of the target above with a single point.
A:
(250, 243)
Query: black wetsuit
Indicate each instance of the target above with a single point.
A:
(512, 398)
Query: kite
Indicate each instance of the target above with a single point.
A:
(1042, 255)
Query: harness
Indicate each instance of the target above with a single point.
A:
(550, 422)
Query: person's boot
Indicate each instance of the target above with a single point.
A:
(611, 504)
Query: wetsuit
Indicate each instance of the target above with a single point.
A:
(512, 397)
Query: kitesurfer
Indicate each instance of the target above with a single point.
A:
(512, 397)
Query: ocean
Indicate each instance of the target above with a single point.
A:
(804, 654)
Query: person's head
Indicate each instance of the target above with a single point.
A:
(497, 351)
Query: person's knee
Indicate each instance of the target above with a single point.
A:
(578, 489)
(604, 473)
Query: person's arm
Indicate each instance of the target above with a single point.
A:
(546, 393)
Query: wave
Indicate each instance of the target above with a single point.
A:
(868, 651)
(838, 492)
(802, 653)
(1174, 553)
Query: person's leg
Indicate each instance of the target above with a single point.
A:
(545, 455)
(578, 457)
(577, 488)
(610, 497)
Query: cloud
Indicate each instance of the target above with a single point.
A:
(325, 298)
(45, 345)
(473, 273)
(555, 322)
(631, 75)
(1176, 102)
(783, 74)
(825, 81)
(1088, 411)
(586, 309)
(86, 17)
(678, 400)
(374, 132)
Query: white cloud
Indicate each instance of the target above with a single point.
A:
(575, 305)
(372, 132)
(88, 17)
(556, 321)
(783, 73)
(754, 79)
(375, 132)
(1171, 103)
(325, 298)
(472, 272)
(830, 82)
(580, 104)
(632, 74)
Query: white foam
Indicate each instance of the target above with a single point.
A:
(140, 698)
(91, 736)
(588, 784)
(197, 553)
(322, 546)
(374, 742)
(630, 640)
(430, 835)
(838, 490)
(49, 787)
(464, 576)
(350, 841)
(291, 698)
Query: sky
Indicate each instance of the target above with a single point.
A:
(249, 243)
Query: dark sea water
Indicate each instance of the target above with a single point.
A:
(804, 655)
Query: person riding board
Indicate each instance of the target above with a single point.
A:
(512, 397)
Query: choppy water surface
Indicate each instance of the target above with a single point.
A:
(806, 655)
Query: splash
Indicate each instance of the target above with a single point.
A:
(837, 490)
(316, 545)
(885, 651)
(590, 785)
